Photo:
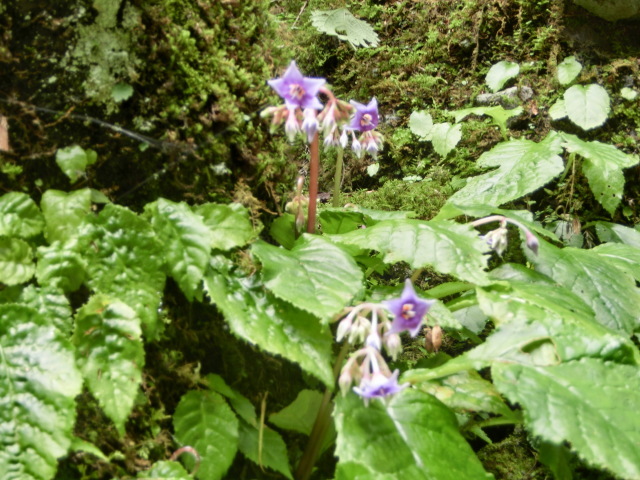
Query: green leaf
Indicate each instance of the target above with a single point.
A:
(316, 275)
(614, 232)
(38, 385)
(110, 354)
(300, 414)
(355, 31)
(448, 247)
(628, 93)
(20, 216)
(51, 304)
(340, 221)
(275, 326)
(602, 166)
(589, 403)
(121, 92)
(125, 260)
(414, 436)
(625, 257)
(165, 470)
(283, 230)
(271, 453)
(608, 290)
(64, 213)
(240, 404)
(568, 70)
(204, 421)
(558, 110)
(230, 225)
(524, 166)
(186, 241)
(73, 161)
(420, 124)
(588, 107)
(60, 266)
(500, 73)
(445, 137)
(16, 261)
(80, 445)
(372, 169)
(499, 115)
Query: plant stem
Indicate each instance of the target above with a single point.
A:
(321, 425)
(313, 184)
(337, 179)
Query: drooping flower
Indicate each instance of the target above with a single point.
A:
(296, 90)
(366, 116)
(378, 385)
(408, 310)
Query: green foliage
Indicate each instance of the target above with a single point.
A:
(500, 73)
(355, 31)
(19, 216)
(588, 107)
(73, 161)
(568, 70)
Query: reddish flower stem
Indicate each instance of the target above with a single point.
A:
(313, 183)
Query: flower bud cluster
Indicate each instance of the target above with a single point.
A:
(497, 239)
(371, 325)
(303, 114)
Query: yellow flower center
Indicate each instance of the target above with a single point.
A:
(365, 121)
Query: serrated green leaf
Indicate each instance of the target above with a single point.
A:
(20, 216)
(589, 403)
(420, 124)
(587, 106)
(445, 137)
(272, 324)
(316, 275)
(60, 266)
(204, 421)
(499, 115)
(558, 110)
(603, 164)
(414, 436)
(125, 260)
(229, 225)
(614, 232)
(240, 404)
(38, 385)
(165, 470)
(524, 166)
(186, 241)
(51, 304)
(64, 213)
(73, 161)
(271, 453)
(355, 31)
(16, 261)
(300, 414)
(608, 290)
(500, 73)
(80, 445)
(448, 247)
(568, 70)
(110, 354)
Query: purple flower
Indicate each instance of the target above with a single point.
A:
(296, 90)
(366, 116)
(408, 311)
(378, 385)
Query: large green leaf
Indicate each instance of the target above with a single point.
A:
(500, 73)
(186, 241)
(587, 106)
(229, 225)
(603, 164)
(125, 260)
(61, 266)
(448, 247)
(51, 304)
(204, 421)
(625, 257)
(38, 384)
(608, 290)
(110, 354)
(589, 403)
(64, 212)
(414, 436)
(614, 232)
(269, 451)
(524, 166)
(272, 324)
(16, 261)
(316, 275)
(19, 216)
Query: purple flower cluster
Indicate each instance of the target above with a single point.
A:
(370, 323)
(303, 113)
